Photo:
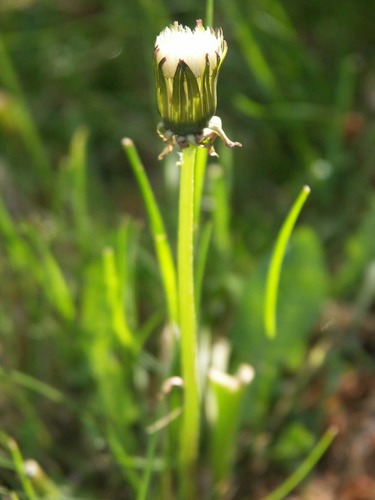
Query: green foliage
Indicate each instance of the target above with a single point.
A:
(294, 442)
(276, 263)
(360, 252)
(88, 301)
(303, 291)
(305, 467)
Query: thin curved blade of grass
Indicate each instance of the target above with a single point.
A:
(114, 297)
(274, 271)
(163, 249)
(307, 465)
(33, 384)
(129, 464)
(284, 111)
(19, 466)
(143, 492)
(18, 252)
(251, 49)
(25, 123)
(78, 182)
(154, 433)
(345, 96)
(52, 278)
(126, 253)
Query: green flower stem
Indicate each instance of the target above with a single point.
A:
(190, 418)
(209, 18)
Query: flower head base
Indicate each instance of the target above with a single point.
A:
(186, 65)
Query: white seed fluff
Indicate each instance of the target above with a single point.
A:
(191, 46)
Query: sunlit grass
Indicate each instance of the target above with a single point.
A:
(93, 270)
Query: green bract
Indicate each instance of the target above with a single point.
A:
(186, 64)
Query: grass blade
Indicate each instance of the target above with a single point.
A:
(17, 250)
(274, 271)
(163, 250)
(19, 466)
(252, 52)
(53, 280)
(25, 122)
(78, 182)
(307, 465)
(35, 385)
(114, 298)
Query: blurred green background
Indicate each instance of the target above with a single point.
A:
(297, 88)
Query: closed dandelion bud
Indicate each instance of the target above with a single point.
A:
(186, 66)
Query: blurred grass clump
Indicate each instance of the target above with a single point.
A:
(85, 341)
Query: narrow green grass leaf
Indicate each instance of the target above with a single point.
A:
(52, 277)
(344, 102)
(306, 467)
(29, 382)
(77, 187)
(18, 251)
(130, 465)
(252, 52)
(59, 289)
(151, 459)
(114, 298)
(126, 252)
(284, 111)
(25, 123)
(19, 466)
(163, 250)
(143, 493)
(148, 327)
(53, 280)
(273, 277)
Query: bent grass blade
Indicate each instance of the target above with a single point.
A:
(273, 276)
(163, 250)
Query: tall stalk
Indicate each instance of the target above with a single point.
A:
(185, 269)
(186, 68)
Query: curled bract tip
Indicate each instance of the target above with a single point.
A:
(204, 139)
